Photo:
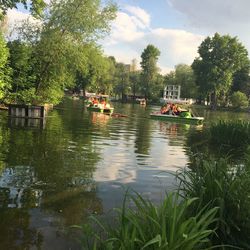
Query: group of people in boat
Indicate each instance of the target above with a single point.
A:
(98, 102)
(174, 109)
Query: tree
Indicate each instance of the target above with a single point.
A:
(220, 57)
(241, 80)
(4, 69)
(60, 47)
(20, 61)
(239, 100)
(122, 80)
(36, 7)
(149, 68)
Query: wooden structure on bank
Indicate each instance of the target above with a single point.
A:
(29, 111)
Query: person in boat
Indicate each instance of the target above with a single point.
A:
(95, 101)
(165, 109)
(103, 102)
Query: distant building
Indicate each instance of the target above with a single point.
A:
(172, 92)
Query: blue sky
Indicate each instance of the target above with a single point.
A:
(176, 27)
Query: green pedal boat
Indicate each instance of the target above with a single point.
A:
(177, 118)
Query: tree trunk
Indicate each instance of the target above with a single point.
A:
(213, 100)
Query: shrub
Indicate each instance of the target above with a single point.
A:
(239, 100)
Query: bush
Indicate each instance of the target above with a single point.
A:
(239, 100)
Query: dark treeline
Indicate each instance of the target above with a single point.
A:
(61, 52)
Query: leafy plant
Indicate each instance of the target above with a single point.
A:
(218, 184)
(239, 100)
(167, 226)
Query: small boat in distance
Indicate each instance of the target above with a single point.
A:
(174, 113)
(99, 103)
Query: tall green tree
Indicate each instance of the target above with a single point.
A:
(36, 7)
(122, 80)
(20, 61)
(96, 74)
(149, 58)
(220, 57)
(241, 80)
(4, 69)
(60, 47)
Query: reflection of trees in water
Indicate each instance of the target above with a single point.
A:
(15, 230)
(175, 132)
(16, 199)
(4, 144)
(51, 168)
(143, 135)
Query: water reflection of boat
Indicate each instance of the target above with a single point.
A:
(177, 118)
(100, 118)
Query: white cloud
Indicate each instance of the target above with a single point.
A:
(140, 14)
(16, 17)
(210, 16)
(125, 28)
(131, 33)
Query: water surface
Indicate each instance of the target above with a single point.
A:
(78, 163)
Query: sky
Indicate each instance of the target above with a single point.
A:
(175, 27)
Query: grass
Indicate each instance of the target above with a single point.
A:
(229, 139)
(219, 184)
(147, 226)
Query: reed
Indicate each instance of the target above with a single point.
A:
(230, 134)
(218, 184)
(147, 226)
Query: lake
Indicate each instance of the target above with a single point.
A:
(77, 163)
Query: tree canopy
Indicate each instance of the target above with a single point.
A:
(220, 57)
(4, 69)
(149, 58)
(61, 47)
(36, 7)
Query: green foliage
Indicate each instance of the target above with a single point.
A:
(149, 68)
(168, 226)
(23, 77)
(239, 100)
(63, 47)
(234, 135)
(121, 79)
(241, 80)
(218, 184)
(36, 9)
(228, 139)
(4, 68)
(220, 57)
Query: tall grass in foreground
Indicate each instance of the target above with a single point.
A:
(218, 184)
(168, 226)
